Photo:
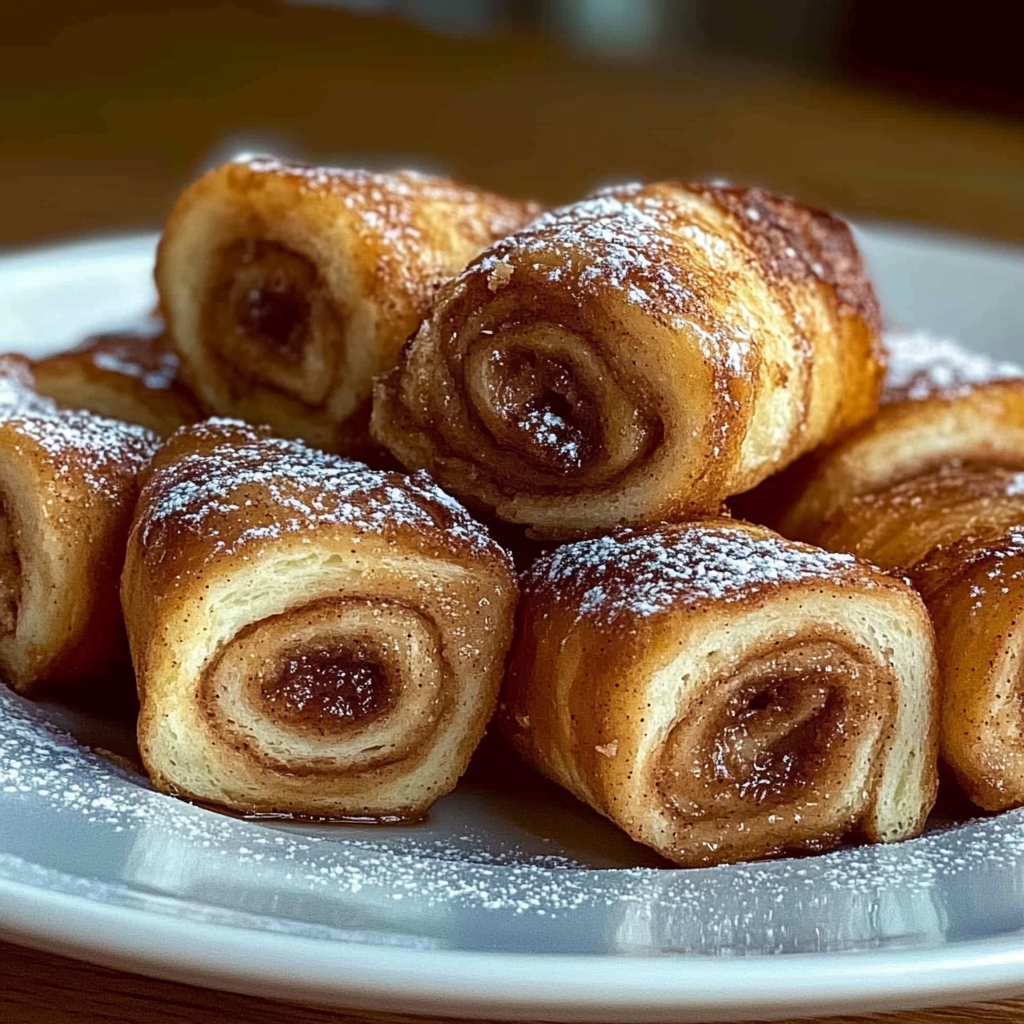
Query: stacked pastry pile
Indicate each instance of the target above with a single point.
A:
(314, 636)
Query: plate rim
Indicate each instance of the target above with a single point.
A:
(503, 986)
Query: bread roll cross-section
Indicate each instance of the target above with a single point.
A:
(637, 356)
(724, 694)
(309, 636)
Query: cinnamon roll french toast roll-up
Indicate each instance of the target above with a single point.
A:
(130, 375)
(941, 404)
(68, 485)
(286, 288)
(724, 694)
(637, 356)
(309, 636)
(959, 533)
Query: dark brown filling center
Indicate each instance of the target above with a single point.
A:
(319, 685)
(270, 292)
(541, 402)
(774, 737)
(787, 733)
(10, 577)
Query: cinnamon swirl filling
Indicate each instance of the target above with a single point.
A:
(636, 357)
(360, 681)
(785, 741)
(270, 317)
(551, 408)
(310, 636)
(724, 694)
(318, 686)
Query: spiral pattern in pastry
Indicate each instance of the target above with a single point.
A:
(309, 636)
(637, 356)
(286, 288)
(724, 694)
(129, 375)
(68, 485)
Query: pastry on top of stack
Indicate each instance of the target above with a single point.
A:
(635, 357)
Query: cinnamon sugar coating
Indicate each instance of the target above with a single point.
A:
(803, 244)
(932, 487)
(309, 636)
(636, 356)
(286, 288)
(958, 532)
(723, 694)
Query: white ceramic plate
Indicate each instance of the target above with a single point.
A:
(499, 905)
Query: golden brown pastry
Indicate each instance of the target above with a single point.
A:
(127, 375)
(637, 356)
(68, 484)
(959, 533)
(724, 694)
(286, 288)
(940, 404)
(309, 636)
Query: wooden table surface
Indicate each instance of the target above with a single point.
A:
(106, 115)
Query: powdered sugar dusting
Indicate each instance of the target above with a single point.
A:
(635, 575)
(77, 444)
(271, 487)
(923, 365)
(619, 238)
(140, 354)
(101, 450)
(627, 239)
(131, 846)
(160, 377)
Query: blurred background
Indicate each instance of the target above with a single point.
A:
(884, 111)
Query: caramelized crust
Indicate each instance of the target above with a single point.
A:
(126, 375)
(286, 288)
(638, 356)
(309, 636)
(724, 694)
(959, 533)
(940, 404)
(68, 485)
